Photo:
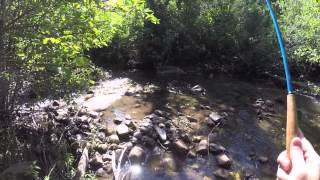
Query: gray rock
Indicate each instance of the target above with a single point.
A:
(93, 114)
(96, 161)
(180, 147)
(224, 161)
(215, 117)
(222, 173)
(106, 157)
(108, 168)
(101, 173)
(137, 155)
(101, 136)
(147, 141)
(114, 139)
(161, 133)
(123, 131)
(55, 103)
(130, 124)
(216, 149)
(191, 154)
(102, 147)
(202, 147)
(137, 134)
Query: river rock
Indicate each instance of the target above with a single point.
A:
(114, 139)
(222, 173)
(101, 136)
(223, 161)
(108, 129)
(180, 147)
(96, 161)
(101, 173)
(137, 134)
(161, 133)
(122, 131)
(93, 114)
(130, 124)
(215, 117)
(191, 154)
(169, 162)
(137, 155)
(108, 168)
(147, 141)
(55, 103)
(216, 149)
(202, 147)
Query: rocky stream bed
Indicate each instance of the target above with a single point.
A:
(133, 126)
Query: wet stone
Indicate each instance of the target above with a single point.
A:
(180, 147)
(196, 139)
(123, 131)
(137, 155)
(202, 147)
(117, 120)
(102, 136)
(169, 162)
(108, 168)
(222, 173)
(114, 139)
(101, 173)
(147, 141)
(161, 133)
(216, 149)
(186, 138)
(191, 155)
(96, 162)
(55, 103)
(223, 161)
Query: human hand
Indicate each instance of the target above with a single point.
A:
(304, 163)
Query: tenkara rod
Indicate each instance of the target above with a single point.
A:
(292, 127)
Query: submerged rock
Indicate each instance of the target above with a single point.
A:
(222, 173)
(263, 159)
(202, 147)
(137, 155)
(180, 147)
(224, 161)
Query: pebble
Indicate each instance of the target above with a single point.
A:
(161, 133)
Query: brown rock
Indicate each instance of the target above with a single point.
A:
(202, 147)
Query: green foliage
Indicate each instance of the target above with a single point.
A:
(301, 24)
(51, 38)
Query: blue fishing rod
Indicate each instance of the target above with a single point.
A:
(292, 127)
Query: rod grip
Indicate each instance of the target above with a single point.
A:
(292, 121)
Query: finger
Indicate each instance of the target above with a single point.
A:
(282, 175)
(296, 154)
(284, 161)
(300, 133)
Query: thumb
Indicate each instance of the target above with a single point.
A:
(296, 153)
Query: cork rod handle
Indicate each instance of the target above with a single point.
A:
(292, 127)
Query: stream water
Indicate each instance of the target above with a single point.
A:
(251, 134)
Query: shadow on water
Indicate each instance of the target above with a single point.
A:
(250, 135)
